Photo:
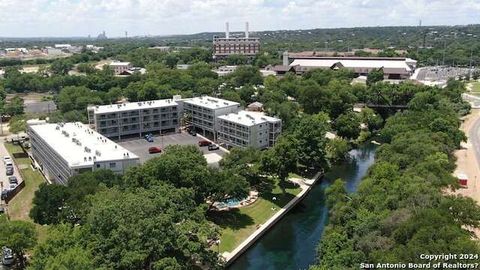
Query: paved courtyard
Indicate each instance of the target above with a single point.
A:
(140, 146)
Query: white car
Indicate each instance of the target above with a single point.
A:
(7, 158)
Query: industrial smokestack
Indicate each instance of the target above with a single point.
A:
(285, 59)
(227, 30)
(246, 30)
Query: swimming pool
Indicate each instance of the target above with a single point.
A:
(232, 202)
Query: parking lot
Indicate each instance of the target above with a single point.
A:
(140, 146)
(4, 183)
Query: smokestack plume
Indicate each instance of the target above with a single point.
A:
(227, 30)
(246, 30)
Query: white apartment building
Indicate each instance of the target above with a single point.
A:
(119, 67)
(66, 149)
(135, 118)
(248, 129)
(202, 112)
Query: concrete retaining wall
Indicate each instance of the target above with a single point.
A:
(247, 243)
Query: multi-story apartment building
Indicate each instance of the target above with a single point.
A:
(225, 46)
(66, 149)
(202, 112)
(248, 129)
(119, 67)
(135, 118)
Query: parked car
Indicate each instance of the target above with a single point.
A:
(7, 256)
(13, 179)
(204, 143)
(192, 132)
(154, 150)
(6, 158)
(13, 186)
(10, 170)
(9, 163)
(213, 147)
(149, 138)
(5, 194)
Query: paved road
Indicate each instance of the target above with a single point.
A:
(474, 136)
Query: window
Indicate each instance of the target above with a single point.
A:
(112, 164)
(98, 165)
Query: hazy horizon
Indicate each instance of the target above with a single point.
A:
(80, 18)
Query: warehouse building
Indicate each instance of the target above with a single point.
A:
(248, 129)
(135, 118)
(395, 68)
(66, 149)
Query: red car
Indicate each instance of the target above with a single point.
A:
(154, 150)
(204, 143)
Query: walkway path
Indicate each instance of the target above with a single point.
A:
(468, 158)
(306, 186)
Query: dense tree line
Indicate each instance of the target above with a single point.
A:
(154, 217)
(401, 209)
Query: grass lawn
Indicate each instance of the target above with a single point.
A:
(475, 87)
(20, 205)
(236, 225)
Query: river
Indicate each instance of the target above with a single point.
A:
(292, 242)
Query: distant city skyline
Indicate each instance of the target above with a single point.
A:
(67, 18)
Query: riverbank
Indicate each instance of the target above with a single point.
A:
(305, 185)
(291, 243)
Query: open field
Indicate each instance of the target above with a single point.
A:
(237, 224)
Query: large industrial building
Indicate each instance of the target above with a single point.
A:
(135, 118)
(66, 149)
(248, 129)
(395, 68)
(226, 46)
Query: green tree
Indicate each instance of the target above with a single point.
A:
(337, 150)
(49, 204)
(62, 249)
(17, 124)
(61, 66)
(348, 125)
(375, 76)
(246, 75)
(371, 119)
(142, 229)
(15, 106)
(281, 159)
(310, 140)
(18, 235)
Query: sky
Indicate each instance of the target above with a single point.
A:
(64, 18)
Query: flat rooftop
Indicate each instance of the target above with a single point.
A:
(246, 118)
(130, 106)
(119, 63)
(80, 145)
(211, 102)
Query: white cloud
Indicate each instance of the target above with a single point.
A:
(162, 17)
